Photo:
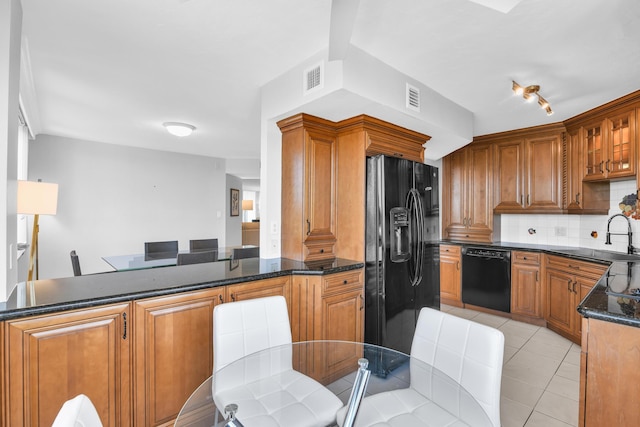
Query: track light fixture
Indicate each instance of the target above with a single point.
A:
(528, 93)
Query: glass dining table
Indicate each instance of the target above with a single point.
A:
(393, 382)
(159, 259)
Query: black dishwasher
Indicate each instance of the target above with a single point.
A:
(486, 278)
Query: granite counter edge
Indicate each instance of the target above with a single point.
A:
(16, 313)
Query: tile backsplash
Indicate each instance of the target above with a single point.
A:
(575, 230)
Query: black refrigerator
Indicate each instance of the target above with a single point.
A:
(402, 268)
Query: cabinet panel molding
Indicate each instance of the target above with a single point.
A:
(173, 352)
(46, 368)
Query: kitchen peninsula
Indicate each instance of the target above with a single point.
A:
(139, 342)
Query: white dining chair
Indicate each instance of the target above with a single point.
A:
(77, 412)
(468, 352)
(267, 390)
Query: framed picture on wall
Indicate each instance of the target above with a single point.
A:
(235, 202)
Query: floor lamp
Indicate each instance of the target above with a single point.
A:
(36, 198)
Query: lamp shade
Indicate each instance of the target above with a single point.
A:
(37, 198)
(247, 205)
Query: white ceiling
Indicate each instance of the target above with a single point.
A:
(113, 71)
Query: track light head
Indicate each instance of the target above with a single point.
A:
(529, 93)
(542, 102)
(517, 89)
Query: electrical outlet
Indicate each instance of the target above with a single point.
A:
(561, 231)
(274, 228)
(274, 245)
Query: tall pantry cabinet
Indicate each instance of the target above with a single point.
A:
(308, 190)
(324, 179)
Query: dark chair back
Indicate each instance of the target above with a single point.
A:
(156, 247)
(75, 263)
(196, 257)
(196, 245)
(240, 253)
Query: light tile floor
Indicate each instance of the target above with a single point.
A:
(540, 378)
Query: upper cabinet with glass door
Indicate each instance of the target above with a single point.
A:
(609, 147)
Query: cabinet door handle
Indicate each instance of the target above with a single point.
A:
(537, 276)
(308, 227)
(606, 166)
(233, 297)
(528, 200)
(221, 299)
(345, 281)
(573, 287)
(600, 166)
(577, 198)
(457, 265)
(569, 285)
(577, 267)
(124, 318)
(522, 199)
(361, 302)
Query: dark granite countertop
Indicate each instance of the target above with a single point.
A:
(613, 298)
(48, 296)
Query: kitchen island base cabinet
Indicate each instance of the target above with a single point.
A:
(173, 352)
(278, 286)
(174, 345)
(609, 378)
(53, 358)
(328, 308)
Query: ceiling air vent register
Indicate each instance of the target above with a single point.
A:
(313, 78)
(413, 98)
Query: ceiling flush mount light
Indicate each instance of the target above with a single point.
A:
(179, 129)
(529, 92)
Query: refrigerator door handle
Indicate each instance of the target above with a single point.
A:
(421, 236)
(415, 208)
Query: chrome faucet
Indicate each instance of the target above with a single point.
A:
(630, 248)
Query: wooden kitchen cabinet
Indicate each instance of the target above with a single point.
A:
(329, 307)
(610, 146)
(3, 389)
(51, 359)
(467, 194)
(528, 170)
(308, 188)
(567, 283)
(173, 352)
(609, 382)
(259, 289)
(324, 181)
(583, 197)
(526, 287)
(451, 275)
(403, 144)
